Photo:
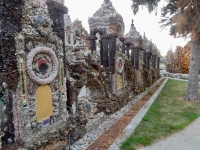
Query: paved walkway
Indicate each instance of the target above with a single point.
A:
(187, 139)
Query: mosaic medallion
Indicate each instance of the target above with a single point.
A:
(119, 65)
(42, 65)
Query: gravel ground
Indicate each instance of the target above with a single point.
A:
(104, 135)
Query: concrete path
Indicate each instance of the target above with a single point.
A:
(187, 139)
(135, 121)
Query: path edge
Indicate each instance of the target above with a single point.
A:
(130, 128)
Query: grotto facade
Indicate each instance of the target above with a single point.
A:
(56, 78)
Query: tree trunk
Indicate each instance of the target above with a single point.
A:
(193, 81)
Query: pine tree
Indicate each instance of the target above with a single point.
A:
(183, 17)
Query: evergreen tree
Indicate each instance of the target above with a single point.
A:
(183, 17)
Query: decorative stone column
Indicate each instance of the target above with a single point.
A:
(154, 61)
(128, 55)
(136, 55)
(127, 49)
(132, 55)
(122, 40)
(57, 11)
(71, 38)
(92, 43)
(144, 58)
(148, 58)
(112, 49)
(101, 51)
(10, 23)
(158, 64)
(105, 42)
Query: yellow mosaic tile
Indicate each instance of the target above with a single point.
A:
(119, 81)
(44, 108)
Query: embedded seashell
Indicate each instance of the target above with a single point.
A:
(9, 140)
(5, 85)
(4, 108)
(33, 124)
(5, 129)
(28, 126)
(5, 120)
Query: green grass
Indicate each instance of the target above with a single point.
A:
(150, 92)
(168, 114)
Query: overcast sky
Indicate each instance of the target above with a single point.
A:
(143, 21)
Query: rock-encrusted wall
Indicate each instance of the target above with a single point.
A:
(36, 54)
(57, 11)
(90, 83)
(10, 23)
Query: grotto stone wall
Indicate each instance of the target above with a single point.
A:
(10, 23)
(33, 44)
(111, 78)
(57, 12)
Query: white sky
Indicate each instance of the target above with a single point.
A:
(143, 21)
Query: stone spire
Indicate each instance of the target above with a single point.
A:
(107, 1)
(108, 18)
(147, 44)
(132, 23)
(59, 1)
(133, 36)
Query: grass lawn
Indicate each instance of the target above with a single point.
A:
(168, 114)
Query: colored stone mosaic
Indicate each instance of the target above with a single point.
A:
(42, 65)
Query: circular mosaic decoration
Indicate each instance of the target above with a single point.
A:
(120, 65)
(42, 65)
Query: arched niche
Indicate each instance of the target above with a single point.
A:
(120, 29)
(69, 35)
(101, 31)
(44, 107)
